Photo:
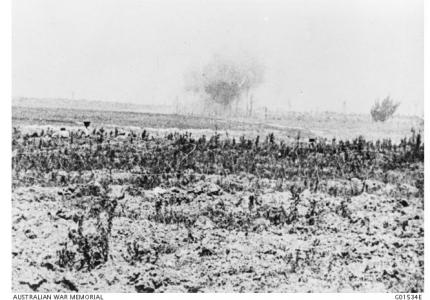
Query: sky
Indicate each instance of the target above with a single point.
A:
(317, 54)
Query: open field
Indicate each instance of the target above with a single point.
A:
(284, 125)
(349, 126)
(135, 210)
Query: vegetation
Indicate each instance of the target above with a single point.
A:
(382, 111)
(216, 213)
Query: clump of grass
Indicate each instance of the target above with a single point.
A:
(90, 250)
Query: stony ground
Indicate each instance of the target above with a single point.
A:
(219, 235)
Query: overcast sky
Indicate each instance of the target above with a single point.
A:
(317, 53)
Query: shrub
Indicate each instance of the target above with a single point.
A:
(382, 111)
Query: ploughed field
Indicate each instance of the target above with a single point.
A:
(114, 211)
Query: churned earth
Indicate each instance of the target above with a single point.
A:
(219, 234)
